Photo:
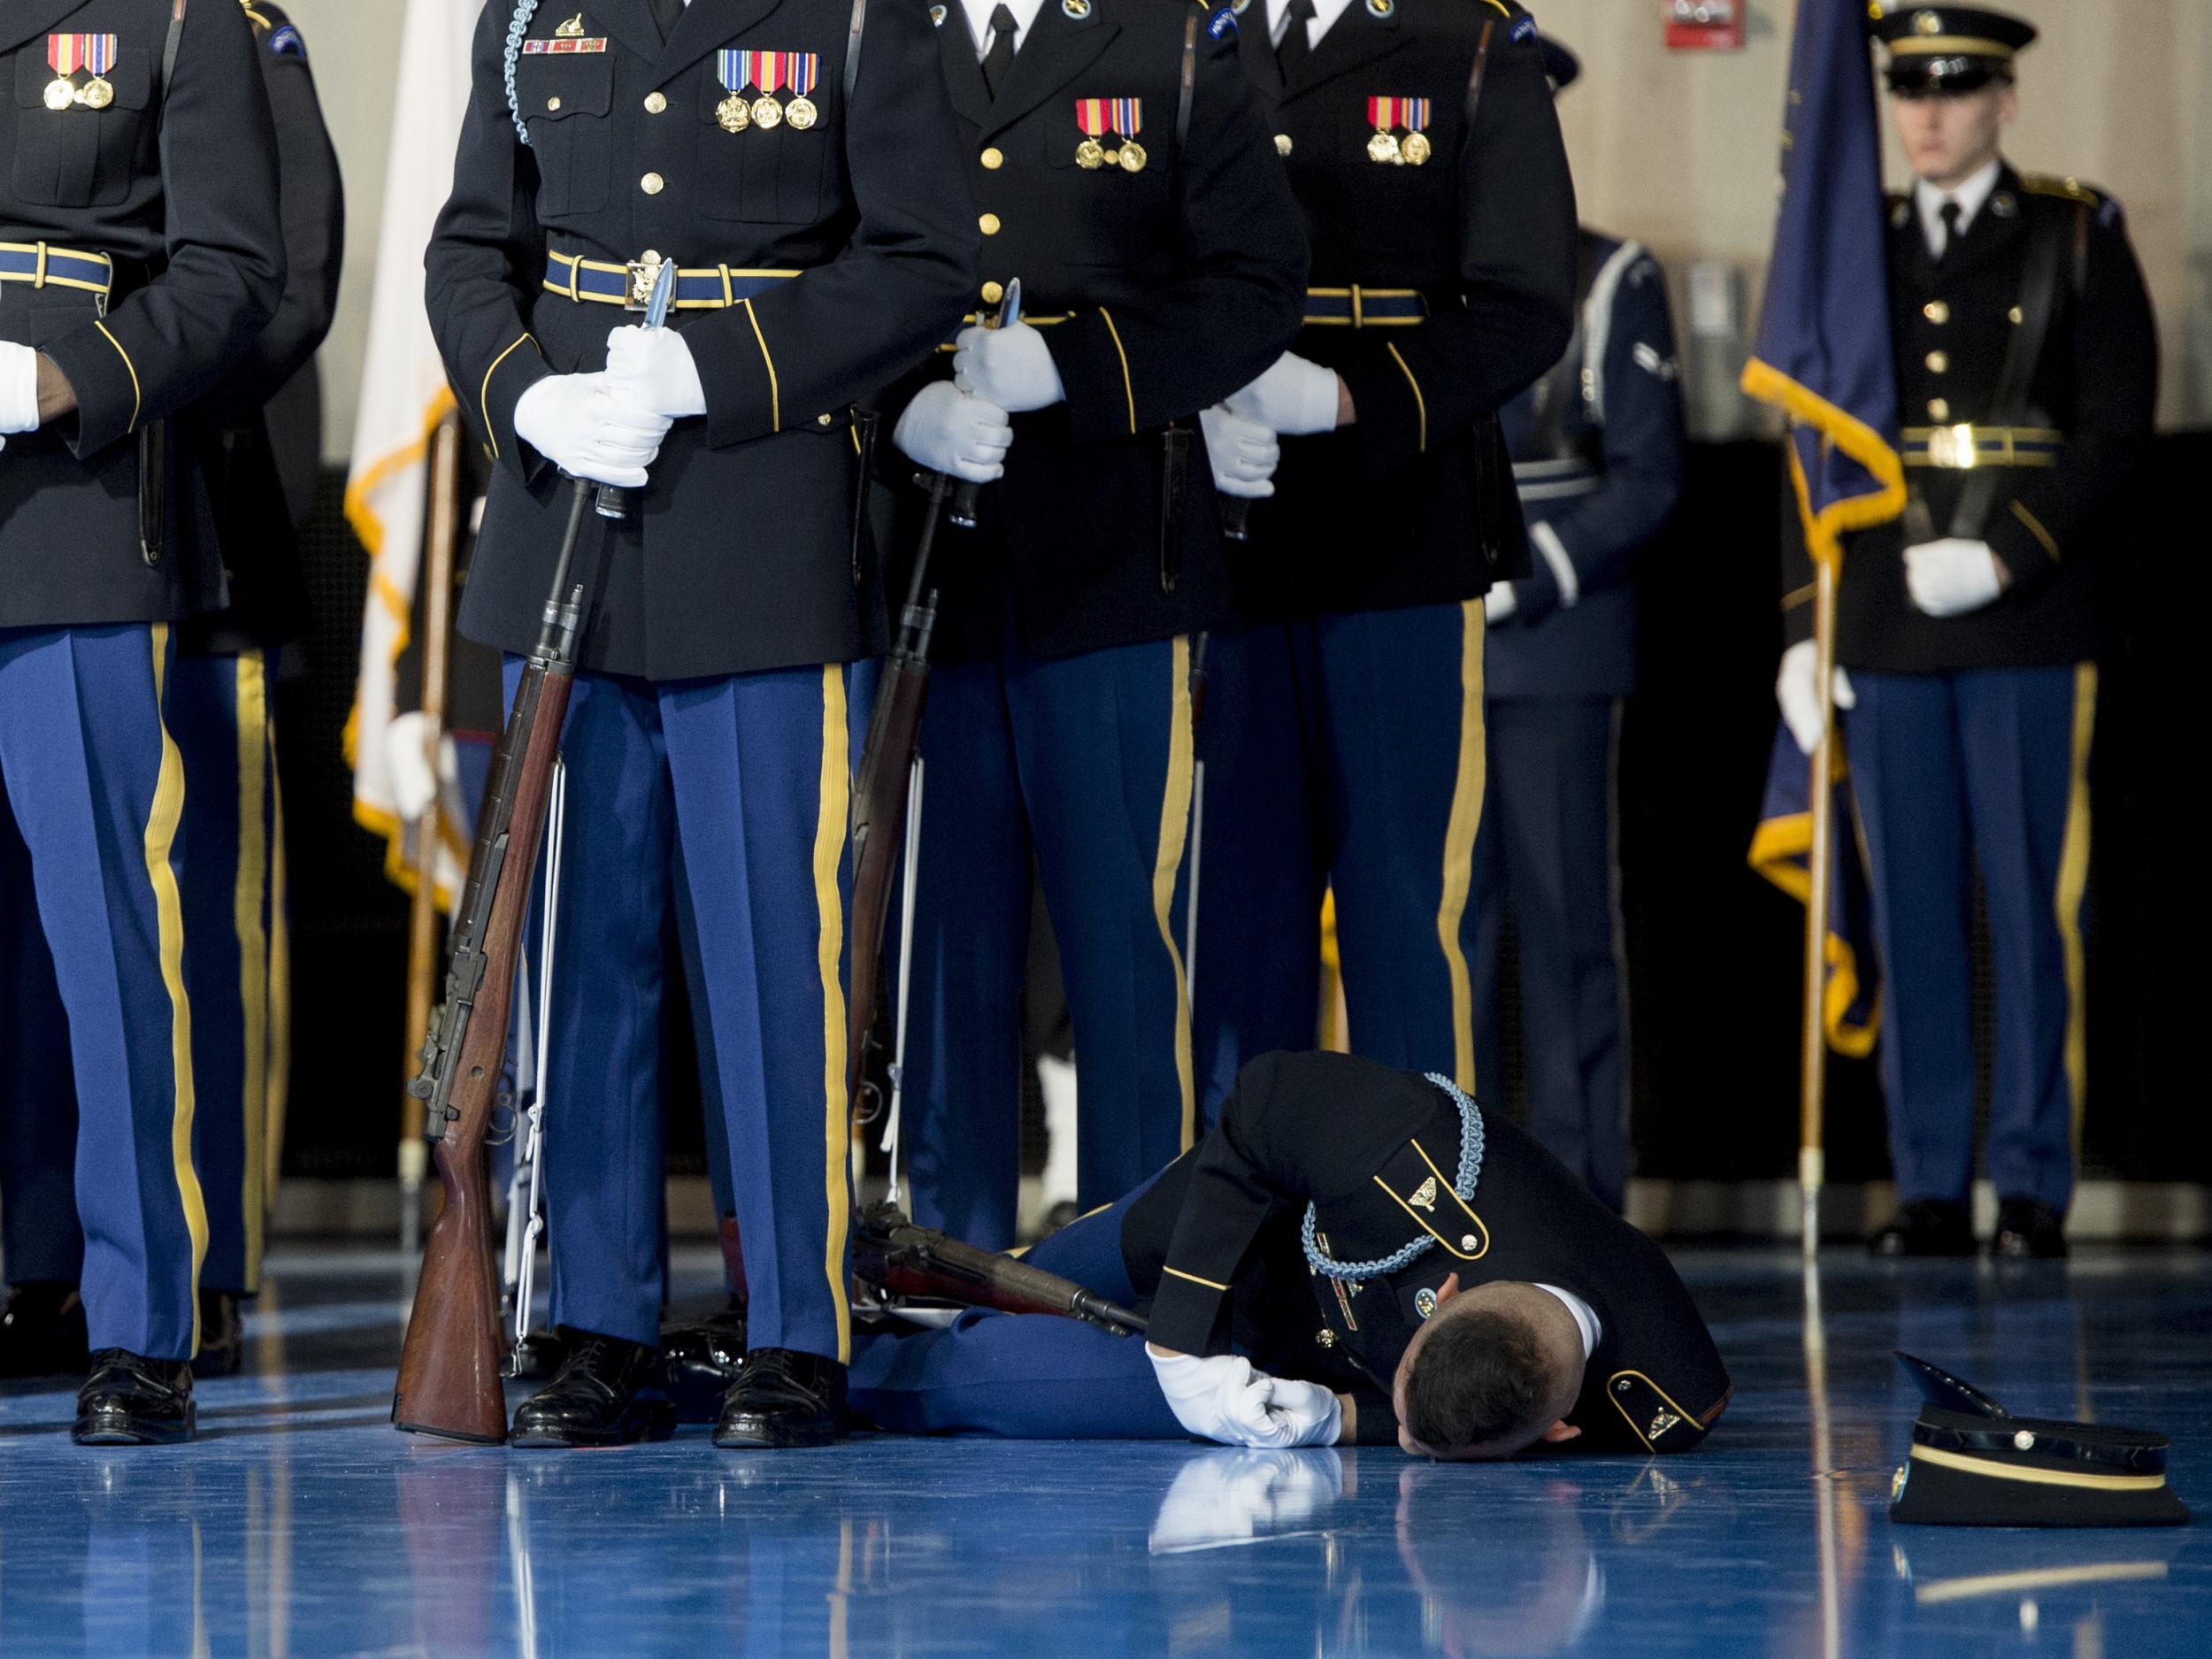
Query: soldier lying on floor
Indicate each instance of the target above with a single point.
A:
(1353, 1255)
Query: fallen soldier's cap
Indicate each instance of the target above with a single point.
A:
(1973, 1464)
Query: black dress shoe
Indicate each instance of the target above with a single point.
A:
(1926, 1226)
(132, 1401)
(2028, 1231)
(41, 1333)
(222, 1336)
(699, 1361)
(607, 1393)
(784, 1398)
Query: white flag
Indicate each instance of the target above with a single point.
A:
(404, 395)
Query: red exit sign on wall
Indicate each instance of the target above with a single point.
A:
(1704, 25)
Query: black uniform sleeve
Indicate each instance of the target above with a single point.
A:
(1289, 1134)
(1177, 348)
(2114, 347)
(1518, 244)
(487, 254)
(163, 345)
(1600, 532)
(838, 334)
(314, 223)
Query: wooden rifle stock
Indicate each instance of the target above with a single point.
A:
(895, 727)
(893, 1253)
(449, 1369)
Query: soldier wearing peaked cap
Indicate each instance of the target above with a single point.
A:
(794, 161)
(219, 709)
(1966, 633)
(1344, 742)
(1126, 180)
(140, 253)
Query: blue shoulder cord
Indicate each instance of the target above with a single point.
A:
(516, 27)
(1470, 1172)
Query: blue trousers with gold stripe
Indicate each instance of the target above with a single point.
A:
(95, 794)
(217, 712)
(1083, 762)
(730, 795)
(1987, 767)
(1346, 753)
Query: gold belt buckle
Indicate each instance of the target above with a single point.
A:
(1952, 447)
(642, 274)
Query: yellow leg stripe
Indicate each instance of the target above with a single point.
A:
(1174, 833)
(775, 392)
(278, 1092)
(1459, 843)
(248, 895)
(2073, 881)
(829, 848)
(138, 393)
(161, 835)
(1420, 403)
(1128, 391)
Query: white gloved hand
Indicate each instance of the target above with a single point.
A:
(1243, 451)
(949, 432)
(1499, 602)
(652, 368)
(1292, 395)
(1224, 1399)
(407, 768)
(1953, 576)
(1312, 1413)
(580, 424)
(1011, 367)
(19, 390)
(1233, 1497)
(1794, 689)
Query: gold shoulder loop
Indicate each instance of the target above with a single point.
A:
(2070, 190)
(257, 19)
(1503, 10)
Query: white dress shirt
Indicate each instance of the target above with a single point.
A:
(979, 15)
(1585, 1318)
(1929, 203)
(1325, 13)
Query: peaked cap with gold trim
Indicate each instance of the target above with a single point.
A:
(1949, 48)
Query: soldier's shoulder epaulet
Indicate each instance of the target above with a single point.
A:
(1222, 20)
(272, 28)
(1521, 25)
(2102, 203)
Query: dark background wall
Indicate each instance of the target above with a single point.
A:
(1713, 949)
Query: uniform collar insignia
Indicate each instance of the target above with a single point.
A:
(1661, 1424)
(571, 30)
(1425, 1194)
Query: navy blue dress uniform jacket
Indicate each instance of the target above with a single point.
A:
(177, 186)
(1605, 493)
(1179, 283)
(741, 558)
(1395, 509)
(241, 453)
(1376, 1151)
(2095, 392)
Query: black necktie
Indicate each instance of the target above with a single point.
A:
(1292, 50)
(1000, 58)
(1950, 217)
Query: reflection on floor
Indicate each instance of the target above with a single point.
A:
(303, 1525)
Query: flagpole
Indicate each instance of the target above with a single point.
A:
(422, 930)
(1813, 1035)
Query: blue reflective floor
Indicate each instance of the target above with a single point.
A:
(303, 1525)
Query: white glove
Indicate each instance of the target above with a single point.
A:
(1011, 367)
(580, 424)
(1292, 395)
(652, 368)
(1498, 603)
(948, 431)
(1233, 1497)
(19, 390)
(1952, 577)
(407, 769)
(1243, 453)
(1794, 690)
(1224, 1399)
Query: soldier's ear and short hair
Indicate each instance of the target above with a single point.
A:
(1483, 1378)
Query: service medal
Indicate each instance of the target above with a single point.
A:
(767, 74)
(1133, 157)
(801, 68)
(1383, 147)
(734, 114)
(1090, 155)
(767, 113)
(59, 95)
(97, 94)
(1415, 149)
(801, 113)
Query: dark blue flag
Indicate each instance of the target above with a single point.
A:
(1823, 354)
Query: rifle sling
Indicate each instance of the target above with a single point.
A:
(2011, 404)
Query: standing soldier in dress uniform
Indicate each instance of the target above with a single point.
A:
(1344, 732)
(218, 711)
(795, 164)
(2027, 368)
(1125, 182)
(1597, 456)
(139, 254)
